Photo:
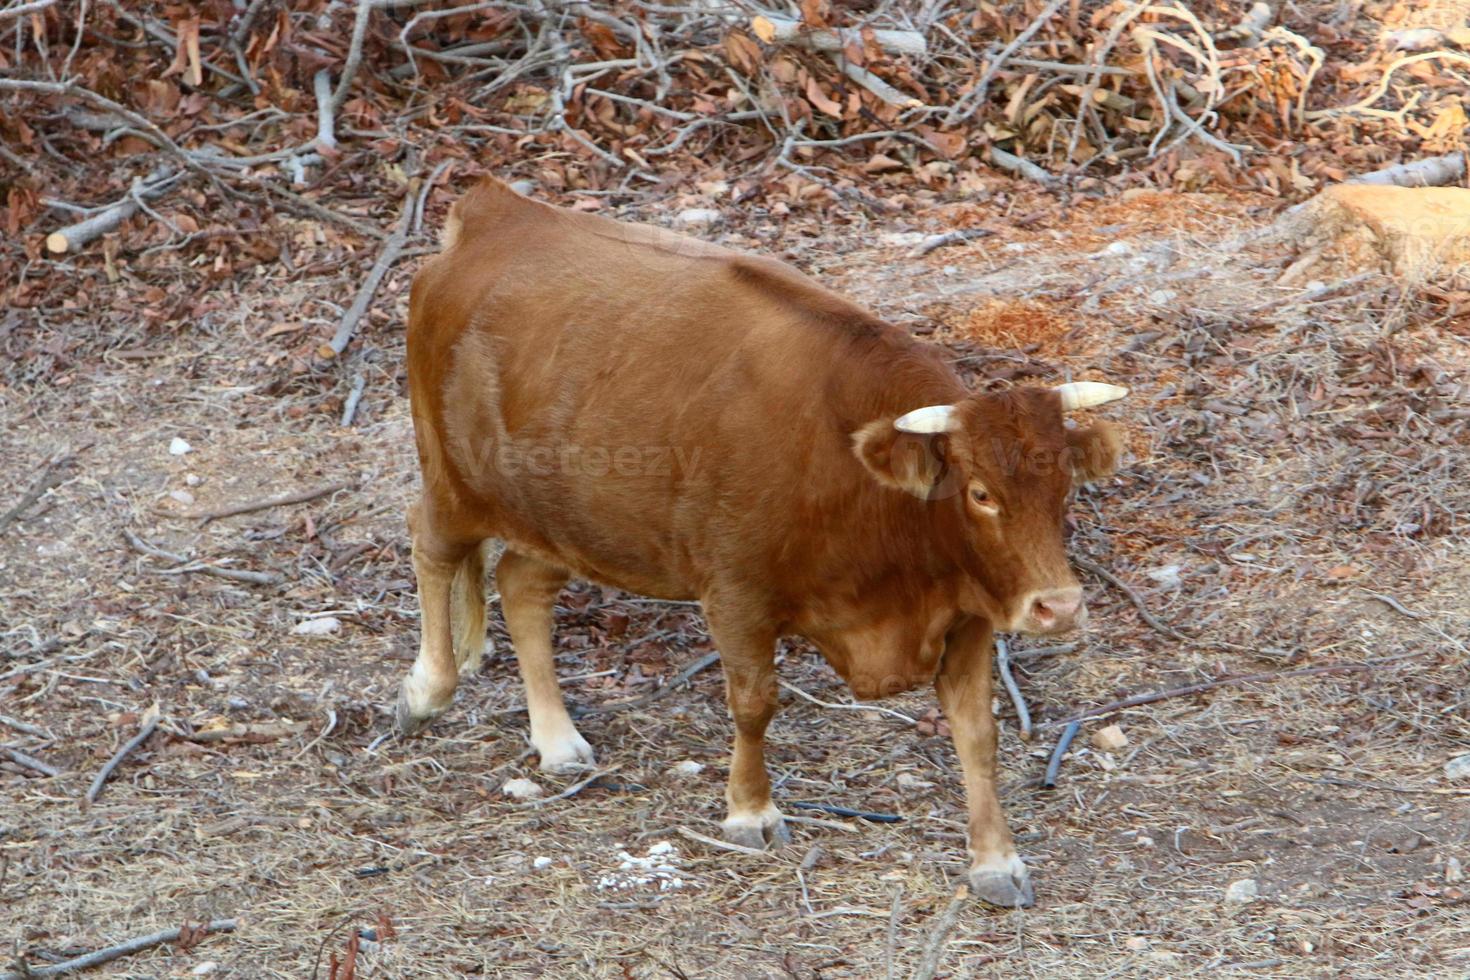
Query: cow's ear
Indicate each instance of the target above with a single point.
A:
(1094, 451)
(912, 462)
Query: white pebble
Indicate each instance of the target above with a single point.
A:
(698, 218)
(1457, 768)
(182, 496)
(523, 789)
(178, 447)
(1160, 297)
(1118, 248)
(1454, 871)
(321, 626)
(205, 968)
(686, 769)
(541, 863)
(192, 479)
(1242, 892)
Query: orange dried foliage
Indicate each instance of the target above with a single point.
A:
(1017, 324)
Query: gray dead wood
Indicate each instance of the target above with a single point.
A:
(121, 949)
(150, 725)
(784, 31)
(392, 251)
(1433, 172)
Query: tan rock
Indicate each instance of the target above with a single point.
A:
(1421, 233)
(1109, 739)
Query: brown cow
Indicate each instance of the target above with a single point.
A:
(686, 422)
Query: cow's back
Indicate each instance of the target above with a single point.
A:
(641, 407)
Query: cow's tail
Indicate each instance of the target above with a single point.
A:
(467, 611)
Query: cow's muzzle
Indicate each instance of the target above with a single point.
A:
(1052, 611)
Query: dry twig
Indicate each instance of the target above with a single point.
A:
(121, 949)
(148, 727)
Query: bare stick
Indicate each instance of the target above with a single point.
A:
(966, 107)
(300, 497)
(892, 941)
(1433, 172)
(1133, 597)
(876, 85)
(1025, 168)
(76, 235)
(1394, 604)
(326, 123)
(184, 566)
(848, 707)
(721, 844)
(392, 249)
(150, 725)
(570, 791)
(1055, 764)
(934, 949)
(1263, 677)
(1003, 665)
(121, 949)
(25, 727)
(682, 677)
(30, 762)
(349, 410)
(50, 476)
(948, 238)
(26, 8)
(778, 30)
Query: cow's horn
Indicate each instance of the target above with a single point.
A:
(1085, 394)
(929, 420)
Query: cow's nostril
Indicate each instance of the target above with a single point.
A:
(1043, 613)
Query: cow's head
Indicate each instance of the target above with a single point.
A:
(995, 471)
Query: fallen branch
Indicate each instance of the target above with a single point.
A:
(252, 732)
(184, 565)
(29, 762)
(121, 949)
(349, 410)
(939, 937)
(392, 249)
(1133, 597)
(569, 792)
(150, 725)
(1433, 172)
(976, 96)
(74, 236)
(1003, 665)
(778, 30)
(1017, 165)
(1054, 764)
(300, 497)
(848, 707)
(50, 477)
(877, 86)
(948, 238)
(721, 844)
(1263, 677)
(25, 727)
(679, 679)
(26, 8)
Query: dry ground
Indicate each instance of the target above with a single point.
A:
(1292, 460)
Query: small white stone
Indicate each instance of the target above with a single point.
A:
(541, 863)
(1118, 248)
(1168, 576)
(1242, 892)
(903, 239)
(908, 781)
(523, 187)
(321, 626)
(698, 218)
(1454, 872)
(1457, 768)
(523, 789)
(1160, 297)
(205, 969)
(193, 479)
(1109, 739)
(686, 769)
(178, 447)
(182, 496)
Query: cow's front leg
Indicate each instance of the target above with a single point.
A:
(749, 659)
(997, 874)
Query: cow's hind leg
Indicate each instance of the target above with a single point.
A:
(749, 659)
(528, 591)
(997, 874)
(429, 687)
(467, 606)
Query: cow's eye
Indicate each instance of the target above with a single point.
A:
(979, 496)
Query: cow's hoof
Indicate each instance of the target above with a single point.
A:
(568, 754)
(407, 719)
(758, 830)
(1007, 889)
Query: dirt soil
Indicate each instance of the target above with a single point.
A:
(1298, 496)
